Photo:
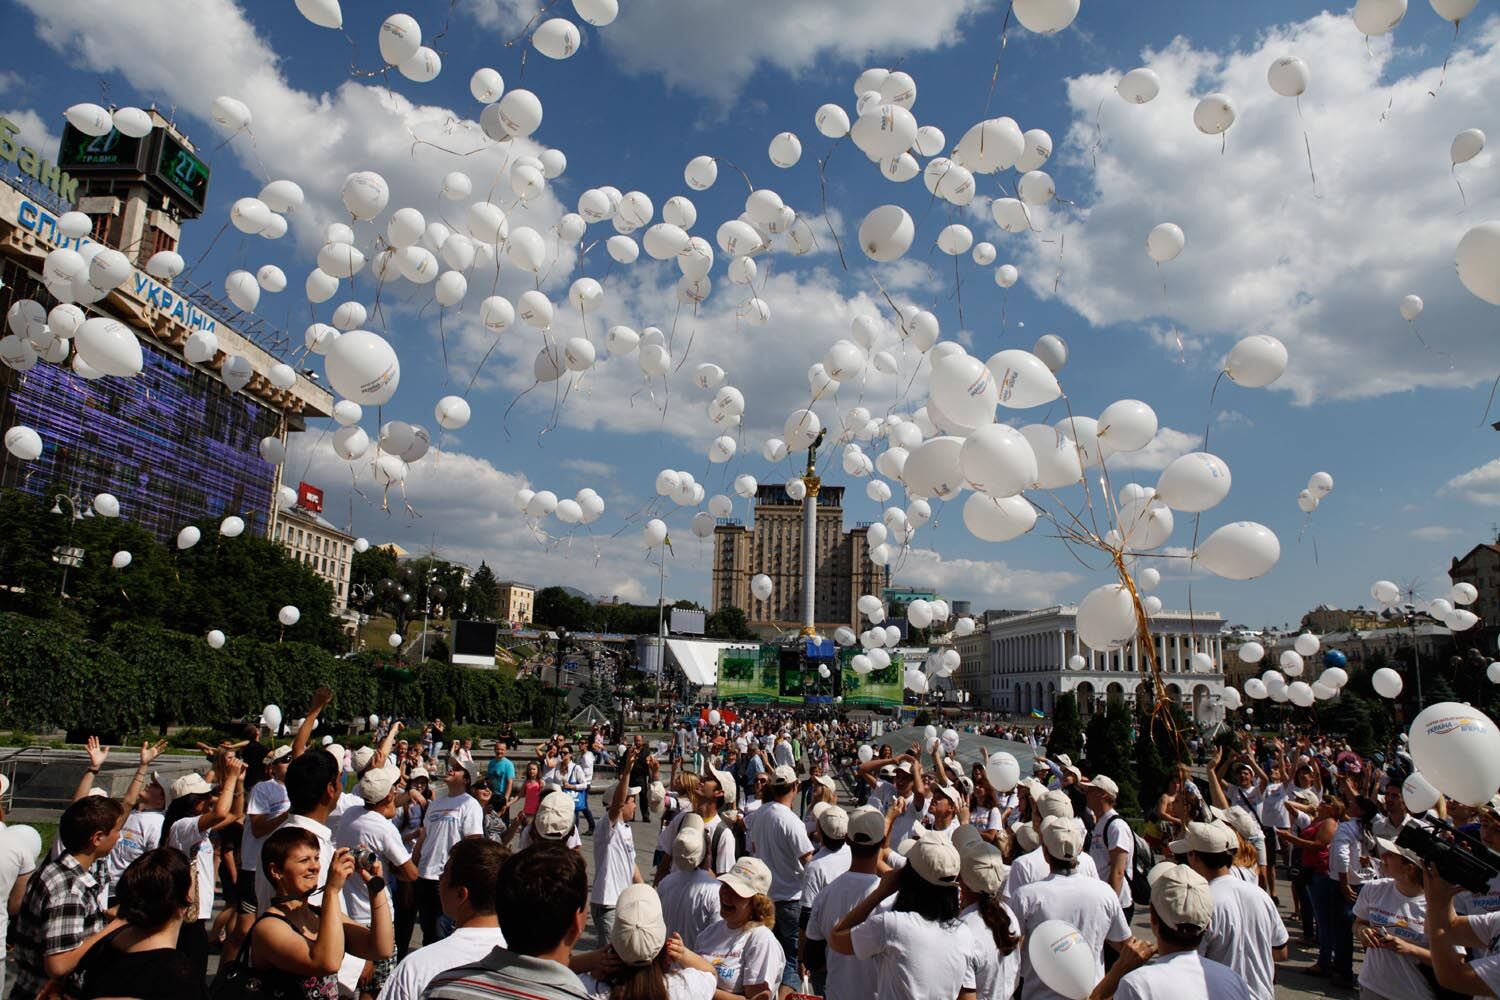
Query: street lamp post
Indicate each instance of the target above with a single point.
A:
(561, 636)
(66, 555)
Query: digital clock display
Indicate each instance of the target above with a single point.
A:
(81, 153)
(183, 172)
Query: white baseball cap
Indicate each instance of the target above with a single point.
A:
(640, 930)
(1207, 838)
(188, 784)
(783, 775)
(982, 869)
(866, 826)
(554, 816)
(834, 822)
(1061, 839)
(749, 877)
(1181, 897)
(935, 859)
(1055, 803)
(689, 848)
(1105, 784)
(375, 784)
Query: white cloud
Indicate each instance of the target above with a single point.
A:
(713, 47)
(33, 131)
(1265, 254)
(1168, 444)
(1478, 486)
(1434, 533)
(989, 584)
(463, 506)
(10, 80)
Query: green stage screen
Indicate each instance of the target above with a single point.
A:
(751, 675)
(878, 688)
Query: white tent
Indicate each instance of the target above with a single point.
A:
(698, 659)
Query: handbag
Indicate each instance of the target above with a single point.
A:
(239, 981)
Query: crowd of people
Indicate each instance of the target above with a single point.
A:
(790, 856)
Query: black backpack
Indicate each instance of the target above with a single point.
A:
(1141, 860)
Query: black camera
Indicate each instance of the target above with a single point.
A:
(1459, 858)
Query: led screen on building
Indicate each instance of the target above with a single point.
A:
(173, 443)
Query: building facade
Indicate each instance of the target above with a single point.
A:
(1022, 660)
(773, 546)
(516, 602)
(175, 444)
(1480, 566)
(1326, 619)
(323, 548)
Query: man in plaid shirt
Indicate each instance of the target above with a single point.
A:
(62, 913)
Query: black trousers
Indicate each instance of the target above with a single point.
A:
(429, 908)
(406, 916)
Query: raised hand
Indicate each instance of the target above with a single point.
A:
(97, 754)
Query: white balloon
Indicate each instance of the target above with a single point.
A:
(1214, 114)
(1376, 17)
(1165, 242)
(1466, 145)
(1411, 307)
(289, 615)
(998, 519)
(556, 38)
(1288, 76)
(24, 443)
(363, 367)
(1453, 10)
(1036, 187)
(110, 347)
(1194, 482)
(1022, 380)
(1300, 693)
(1106, 617)
(1127, 425)
(998, 460)
(785, 150)
(886, 233)
(1241, 550)
(519, 113)
(1139, 86)
(423, 67)
(1260, 359)
(1386, 682)
(1046, 16)
(1478, 261)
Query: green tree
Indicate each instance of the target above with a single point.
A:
(1067, 728)
(483, 595)
(1110, 749)
(557, 608)
(728, 623)
(597, 692)
(372, 565)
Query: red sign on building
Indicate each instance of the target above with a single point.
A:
(310, 497)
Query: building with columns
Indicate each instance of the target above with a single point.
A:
(1020, 661)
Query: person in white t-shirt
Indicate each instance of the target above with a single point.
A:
(744, 953)
(1087, 903)
(1181, 908)
(448, 820)
(641, 953)
(920, 946)
(781, 841)
(554, 822)
(714, 796)
(690, 893)
(1033, 865)
(614, 849)
(1390, 921)
(467, 889)
(142, 830)
(836, 975)
(369, 828)
(996, 931)
(831, 858)
(1247, 933)
(1112, 842)
(194, 811)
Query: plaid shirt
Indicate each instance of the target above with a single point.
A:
(63, 905)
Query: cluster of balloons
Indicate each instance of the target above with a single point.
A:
(1319, 485)
(586, 506)
(1451, 609)
(1292, 663)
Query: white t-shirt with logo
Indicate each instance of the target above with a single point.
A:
(448, 820)
(1273, 810)
(915, 957)
(192, 840)
(363, 828)
(267, 798)
(141, 833)
(849, 978)
(1088, 904)
(1245, 928)
(1109, 836)
(743, 957)
(995, 975)
(464, 946)
(1180, 975)
(614, 861)
(781, 841)
(689, 903)
(1032, 867)
(1382, 905)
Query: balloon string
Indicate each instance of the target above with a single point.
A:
(1098, 133)
(480, 367)
(736, 166)
(1453, 172)
(995, 76)
(1486, 418)
(823, 193)
(1452, 43)
(1167, 306)
(1307, 144)
(443, 339)
(505, 420)
(1209, 420)
(958, 290)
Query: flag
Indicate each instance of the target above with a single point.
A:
(1038, 714)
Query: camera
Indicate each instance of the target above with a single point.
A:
(1458, 857)
(364, 857)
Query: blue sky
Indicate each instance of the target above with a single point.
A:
(1397, 425)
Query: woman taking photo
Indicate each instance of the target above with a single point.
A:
(1390, 922)
(155, 896)
(921, 947)
(295, 946)
(741, 946)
